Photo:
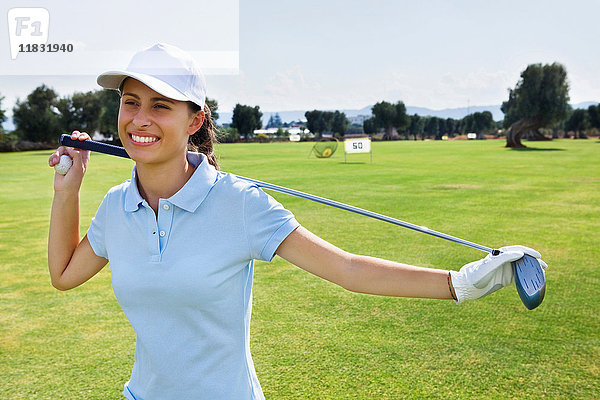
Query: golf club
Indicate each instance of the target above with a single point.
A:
(529, 276)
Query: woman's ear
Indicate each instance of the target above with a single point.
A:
(196, 122)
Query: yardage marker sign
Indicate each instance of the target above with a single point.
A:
(358, 145)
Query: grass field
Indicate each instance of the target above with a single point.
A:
(313, 340)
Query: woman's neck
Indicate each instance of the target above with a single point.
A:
(163, 180)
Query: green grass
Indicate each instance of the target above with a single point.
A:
(313, 340)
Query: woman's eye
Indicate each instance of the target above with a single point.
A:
(161, 106)
(129, 102)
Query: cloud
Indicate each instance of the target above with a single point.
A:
(448, 90)
(281, 84)
(583, 88)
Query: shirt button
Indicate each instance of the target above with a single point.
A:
(166, 206)
(162, 233)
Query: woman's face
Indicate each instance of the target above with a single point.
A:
(154, 129)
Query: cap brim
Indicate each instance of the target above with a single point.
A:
(113, 80)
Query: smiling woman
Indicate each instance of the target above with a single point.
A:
(181, 238)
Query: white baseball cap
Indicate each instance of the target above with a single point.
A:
(166, 69)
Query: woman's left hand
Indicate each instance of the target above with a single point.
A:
(71, 181)
(480, 278)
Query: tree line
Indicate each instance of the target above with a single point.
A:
(393, 120)
(538, 103)
(43, 115)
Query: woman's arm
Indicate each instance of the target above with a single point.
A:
(376, 276)
(71, 262)
(361, 273)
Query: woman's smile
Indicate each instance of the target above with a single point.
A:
(142, 139)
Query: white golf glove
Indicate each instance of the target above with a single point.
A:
(480, 278)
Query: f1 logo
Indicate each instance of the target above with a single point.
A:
(27, 26)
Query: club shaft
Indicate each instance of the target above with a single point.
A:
(366, 213)
(120, 152)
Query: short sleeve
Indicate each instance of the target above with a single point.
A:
(97, 229)
(267, 223)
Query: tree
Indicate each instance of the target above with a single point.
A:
(578, 122)
(213, 106)
(318, 122)
(389, 117)
(66, 115)
(2, 115)
(432, 127)
(327, 118)
(36, 119)
(369, 126)
(540, 99)
(274, 121)
(450, 127)
(228, 135)
(81, 111)
(315, 122)
(594, 115)
(108, 120)
(417, 125)
(467, 124)
(401, 120)
(484, 122)
(479, 122)
(246, 119)
(340, 123)
(384, 114)
(407, 130)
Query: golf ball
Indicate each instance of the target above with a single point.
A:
(63, 166)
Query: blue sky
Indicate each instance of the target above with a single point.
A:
(335, 54)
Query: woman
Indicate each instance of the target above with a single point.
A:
(181, 237)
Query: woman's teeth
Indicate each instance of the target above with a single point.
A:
(143, 139)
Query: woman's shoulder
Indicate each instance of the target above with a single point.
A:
(121, 188)
(236, 189)
(118, 191)
(234, 183)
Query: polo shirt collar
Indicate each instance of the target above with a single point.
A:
(133, 199)
(193, 193)
(190, 196)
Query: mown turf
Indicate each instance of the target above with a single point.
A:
(313, 340)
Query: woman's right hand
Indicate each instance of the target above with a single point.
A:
(71, 181)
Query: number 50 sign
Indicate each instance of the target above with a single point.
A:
(358, 145)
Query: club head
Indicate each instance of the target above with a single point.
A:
(530, 281)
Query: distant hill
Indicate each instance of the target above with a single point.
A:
(455, 113)
(585, 104)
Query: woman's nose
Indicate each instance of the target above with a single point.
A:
(141, 118)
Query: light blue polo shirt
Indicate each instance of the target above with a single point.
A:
(184, 280)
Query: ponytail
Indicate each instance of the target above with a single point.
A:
(204, 139)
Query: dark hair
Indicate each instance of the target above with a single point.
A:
(204, 139)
